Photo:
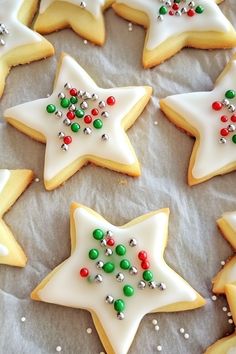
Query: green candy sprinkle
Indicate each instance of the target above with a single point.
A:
(65, 102)
(199, 9)
(79, 113)
(125, 264)
(147, 275)
(75, 127)
(163, 10)
(93, 254)
(234, 139)
(98, 234)
(120, 250)
(108, 267)
(73, 100)
(51, 108)
(128, 290)
(119, 305)
(230, 94)
(98, 124)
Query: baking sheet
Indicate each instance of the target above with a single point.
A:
(40, 219)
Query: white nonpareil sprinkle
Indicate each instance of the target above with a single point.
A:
(23, 319)
(159, 348)
(58, 348)
(186, 336)
(157, 328)
(37, 180)
(229, 314)
(224, 309)
(214, 297)
(156, 122)
(154, 322)
(182, 330)
(222, 263)
(230, 321)
(89, 330)
(85, 41)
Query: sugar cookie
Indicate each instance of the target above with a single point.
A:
(84, 17)
(118, 274)
(12, 185)
(18, 43)
(172, 25)
(211, 118)
(82, 122)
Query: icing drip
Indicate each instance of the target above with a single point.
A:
(230, 218)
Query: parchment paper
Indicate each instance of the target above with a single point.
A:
(40, 219)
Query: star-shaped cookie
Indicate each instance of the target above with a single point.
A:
(172, 25)
(211, 118)
(227, 224)
(226, 345)
(82, 122)
(118, 274)
(12, 185)
(84, 17)
(18, 43)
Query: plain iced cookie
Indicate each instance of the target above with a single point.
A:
(18, 43)
(172, 25)
(81, 122)
(12, 185)
(118, 274)
(211, 118)
(84, 17)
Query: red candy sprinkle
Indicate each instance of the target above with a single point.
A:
(73, 92)
(217, 106)
(142, 255)
(67, 140)
(110, 242)
(88, 119)
(233, 118)
(175, 6)
(145, 264)
(191, 12)
(95, 112)
(224, 132)
(224, 119)
(84, 272)
(70, 115)
(111, 101)
(171, 13)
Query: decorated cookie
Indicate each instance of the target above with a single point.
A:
(211, 118)
(118, 274)
(12, 185)
(226, 345)
(82, 122)
(227, 225)
(84, 17)
(18, 43)
(174, 24)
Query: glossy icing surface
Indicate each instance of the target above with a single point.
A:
(116, 149)
(212, 19)
(196, 110)
(66, 286)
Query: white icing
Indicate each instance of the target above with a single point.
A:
(93, 6)
(4, 177)
(19, 34)
(212, 19)
(67, 288)
(34, 115)
(196, 110)
(230, 218)
(3, 250)
(231, 350)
